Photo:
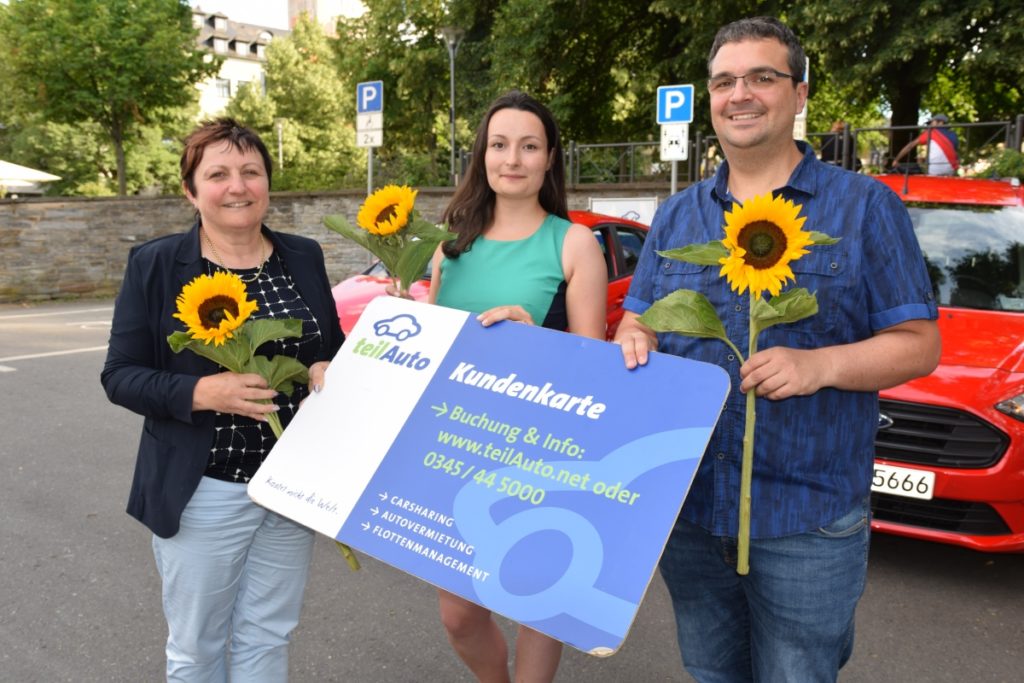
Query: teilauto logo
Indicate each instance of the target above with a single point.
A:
(401, 327)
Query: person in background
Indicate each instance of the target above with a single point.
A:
(517, 257)
(791, 618)
(233, 573)
(832, 147)
(942, 147)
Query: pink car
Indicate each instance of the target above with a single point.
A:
(620, 238)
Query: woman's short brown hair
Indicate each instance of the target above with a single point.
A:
(219, 130)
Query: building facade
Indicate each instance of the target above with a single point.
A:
(243, 49)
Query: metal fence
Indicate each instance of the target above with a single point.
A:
(857, 149)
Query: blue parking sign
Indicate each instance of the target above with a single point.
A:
(675, 104)
(370, 97)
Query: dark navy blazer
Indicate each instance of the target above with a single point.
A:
(142, 374)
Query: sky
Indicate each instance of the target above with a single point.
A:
(270, 13)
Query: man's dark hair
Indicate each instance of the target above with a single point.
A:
(762, 28)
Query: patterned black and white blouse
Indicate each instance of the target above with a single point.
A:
(240, 443)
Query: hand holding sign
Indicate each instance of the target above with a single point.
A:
(520, 468)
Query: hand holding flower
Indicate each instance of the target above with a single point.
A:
(762, 237)
(781, 372)
(215, 309)
(238, 394)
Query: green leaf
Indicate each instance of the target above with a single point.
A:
(179, 340)
(823, 239)
(414, 261)
(427, 230)
(687, 312)
(258, 332)
(788, 307)
(340, 225)
(233, 354)
(709, 254)
(416, 254)
(281, 372)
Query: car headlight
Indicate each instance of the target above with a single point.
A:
(1014, 407)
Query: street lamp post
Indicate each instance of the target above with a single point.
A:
(279, 124)
(452, 36)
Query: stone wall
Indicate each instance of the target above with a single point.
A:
(77, 247)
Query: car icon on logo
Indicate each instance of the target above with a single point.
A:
(401, 327)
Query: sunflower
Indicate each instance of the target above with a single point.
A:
(214, 306)
(763, 236)
(387, 210)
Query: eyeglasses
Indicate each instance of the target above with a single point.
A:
(759, 80)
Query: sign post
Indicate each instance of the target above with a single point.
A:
(675, 113)
(369, 122)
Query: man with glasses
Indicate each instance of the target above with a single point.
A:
(816, 381)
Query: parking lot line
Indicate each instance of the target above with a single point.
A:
(52, 353)
(105, 309)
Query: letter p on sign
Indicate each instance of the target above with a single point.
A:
(675, 104)
(370, 97)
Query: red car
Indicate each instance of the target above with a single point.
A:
(621, 240)
(950, 447)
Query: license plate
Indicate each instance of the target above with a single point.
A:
(903, 481)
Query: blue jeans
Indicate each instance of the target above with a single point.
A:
(233, 579)
(789, 619)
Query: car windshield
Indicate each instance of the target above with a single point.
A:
(975, 255)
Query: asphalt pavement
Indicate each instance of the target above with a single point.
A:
(80, 598)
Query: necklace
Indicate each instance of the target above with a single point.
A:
(220, 261)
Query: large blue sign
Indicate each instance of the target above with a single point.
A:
(675, 104)
(370, 97)
(521, 468)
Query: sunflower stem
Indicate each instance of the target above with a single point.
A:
(747, 464)
(274, 420)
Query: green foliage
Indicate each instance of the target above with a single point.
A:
(115, 63)
(120, 66)
(788, 307)
(398, 42)
(956, 56)
(1006, 163)
(709, 254)
(238, 354)
(405, 253)
(84, 158)
(686, 312)
(310, 105)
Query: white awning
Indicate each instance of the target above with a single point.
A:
(13, 175)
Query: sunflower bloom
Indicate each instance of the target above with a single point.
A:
(214, 306)
(387, 210)
(763, 235)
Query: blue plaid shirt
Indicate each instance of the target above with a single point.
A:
(813, 454)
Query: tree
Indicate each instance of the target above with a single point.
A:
(118, 63)
(397, 42)
(899, 50)
(315, 110)
(594, 63)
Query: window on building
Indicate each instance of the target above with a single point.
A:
(220, 45)
(223, 87)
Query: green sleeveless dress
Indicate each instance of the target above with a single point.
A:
(527, 272)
